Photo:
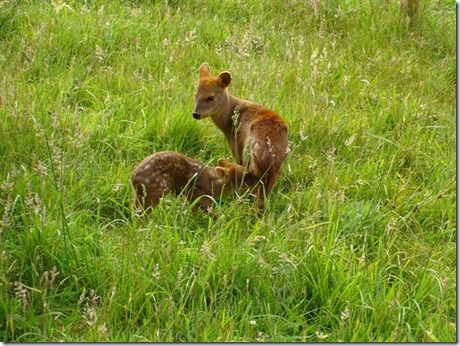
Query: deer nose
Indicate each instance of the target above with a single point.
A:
(196, 115)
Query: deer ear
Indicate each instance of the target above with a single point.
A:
(221, 172)
(224, 79)
(223, 163)
(228, 173)
(205, 71)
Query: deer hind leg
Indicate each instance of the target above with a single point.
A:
(263, 191)
(139, 198)
(261, 198)
(258, 187)
(262, 184)
(147, 197)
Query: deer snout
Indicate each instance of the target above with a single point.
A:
(196, 115)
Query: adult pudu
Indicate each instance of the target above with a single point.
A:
(171, 172)
(246, 126)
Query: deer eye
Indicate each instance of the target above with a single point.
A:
(210, 98)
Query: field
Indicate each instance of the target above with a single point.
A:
(359, 241)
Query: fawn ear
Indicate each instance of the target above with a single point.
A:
(224, 79)
(223, 163)
(205, 71)
(221, 172)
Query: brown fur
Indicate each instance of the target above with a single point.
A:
(263, 130)
(171, 172)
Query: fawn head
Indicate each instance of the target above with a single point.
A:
(211, 95)
(231, 174)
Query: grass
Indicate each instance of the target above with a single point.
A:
(359, 243)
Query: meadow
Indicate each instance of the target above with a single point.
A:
(359, 241)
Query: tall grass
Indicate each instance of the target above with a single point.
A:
(359, 241)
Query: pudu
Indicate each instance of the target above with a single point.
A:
(171, 172)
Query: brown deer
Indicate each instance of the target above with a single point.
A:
(246, 126)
